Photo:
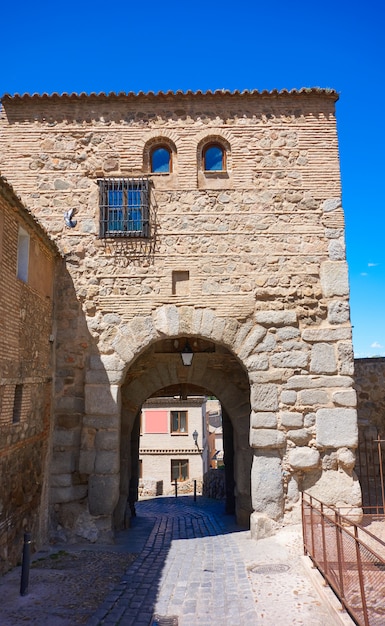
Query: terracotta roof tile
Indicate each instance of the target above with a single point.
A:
(161, 94)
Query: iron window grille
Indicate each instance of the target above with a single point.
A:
(124, 207)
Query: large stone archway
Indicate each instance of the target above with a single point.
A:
(214, 371)
(281, 443)
(116, 391)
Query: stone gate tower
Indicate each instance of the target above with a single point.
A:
(209, 220)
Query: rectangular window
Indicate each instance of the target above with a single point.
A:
(17, 404)
(179, 470)
(179, 422)
(23, 255)
(124, 207)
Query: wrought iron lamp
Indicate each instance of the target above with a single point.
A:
(187, 354)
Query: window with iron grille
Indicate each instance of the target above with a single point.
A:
(124, 207)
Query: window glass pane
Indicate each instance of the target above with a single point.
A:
(183, 422)
(174, 421)
(184, 470)
(115, 209)
(160, 160)
(115, 198)
(135, 221)
(134, 198)
(174, 470)
(213, 159)
(23, 255)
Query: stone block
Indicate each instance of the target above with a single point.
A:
(333, 487)
(289, 397)
(61, 480)
(345, 398)
(101, 399)
(337, 428)
(103, 494)
(87, 461)
(309, 420)
(331, 205)
(293, 358)
(311, 397)
(323, 359)
(264, 419)
(66, 437)
(304, 458)
(63, 461)
(107, 440)
(267, 485)
(338, 312)
(251, 341)
(107, 461)
(330, 335)
(334, 279)
(264, 397)
(346, 358)
(315, 382)
(267, 345)
(67, 494)
(266, 438)
(287, 333)
(257, 362)
(276, 318)
(300, 437)
(292, 491)
(123, 346)
(291, 419)
(262, 526)
(336, 250)
(346, 459)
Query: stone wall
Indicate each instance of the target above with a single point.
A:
(214, 484)
(369, 382)
(260, 248)
(26, 367)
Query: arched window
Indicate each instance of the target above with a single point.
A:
(214, 158)
(160, 160)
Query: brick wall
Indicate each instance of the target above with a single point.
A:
(26, 370)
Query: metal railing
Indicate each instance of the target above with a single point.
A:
(370, 469)
(351, 559)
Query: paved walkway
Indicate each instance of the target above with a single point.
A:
(198, 567)
(194, 567)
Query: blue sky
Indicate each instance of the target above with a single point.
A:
(154, 46)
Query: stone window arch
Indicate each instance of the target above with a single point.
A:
(214, 158)
(213, 155)
(159, 156)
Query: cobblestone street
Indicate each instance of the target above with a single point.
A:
(193, 564)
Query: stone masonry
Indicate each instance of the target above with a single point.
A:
(247, 263)
(26, 365)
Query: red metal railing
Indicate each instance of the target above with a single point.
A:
(370, 469)
(350, 558)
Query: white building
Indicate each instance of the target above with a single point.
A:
(173, 444)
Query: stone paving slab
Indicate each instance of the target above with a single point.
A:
(193, 565)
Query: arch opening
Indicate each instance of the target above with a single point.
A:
(159, 373)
